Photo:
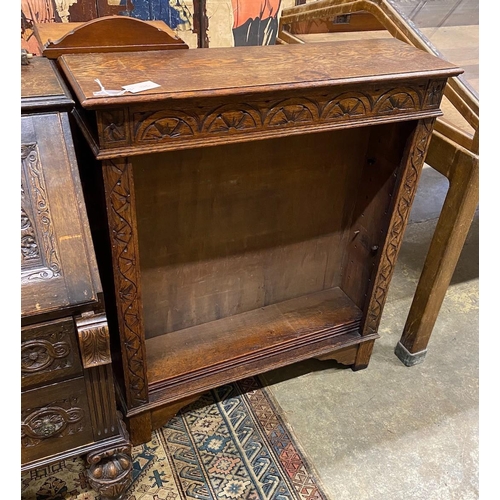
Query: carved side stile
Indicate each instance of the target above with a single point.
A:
(120, 203)
(403, 202)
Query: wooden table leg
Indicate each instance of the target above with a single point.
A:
(462, 169)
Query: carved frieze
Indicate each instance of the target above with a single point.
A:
(227, 119)
(292, 112)
(154, 126)
(194, 122)
(39, 255)
(113, 126)
(348, 105)
(398, 100)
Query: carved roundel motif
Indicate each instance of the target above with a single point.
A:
(229, 119)
(50, 421)
(37, 355)
(397, 100)
(163, 125)
(348, 105)
(292, 112)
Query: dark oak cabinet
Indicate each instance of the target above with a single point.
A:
(248, 212)
(68, 404)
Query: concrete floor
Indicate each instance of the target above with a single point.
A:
(391, 432)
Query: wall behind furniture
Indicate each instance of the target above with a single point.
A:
(212, 23)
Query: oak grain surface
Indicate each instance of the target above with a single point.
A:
(210, 176)
(237, 70)
(215, 235)
(39, 79)
(240, 336)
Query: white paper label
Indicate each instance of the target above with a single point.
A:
(140, 87)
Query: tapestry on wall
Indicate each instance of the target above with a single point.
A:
(231, 444)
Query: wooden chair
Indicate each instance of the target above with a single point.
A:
(453, 151)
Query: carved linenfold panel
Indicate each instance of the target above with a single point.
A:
(397, 225)
(192, 121)
(121, 212)
(41, 354)
(57, 419)
(93, 336)
(39, 254)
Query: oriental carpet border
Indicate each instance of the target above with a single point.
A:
(231, 444)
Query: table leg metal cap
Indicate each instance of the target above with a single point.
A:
(406, 357)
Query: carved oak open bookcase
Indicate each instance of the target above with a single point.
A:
(248, 213)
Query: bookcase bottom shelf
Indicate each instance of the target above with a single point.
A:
(196, 359)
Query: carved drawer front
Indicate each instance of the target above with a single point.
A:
(49, 352)
(54, 418)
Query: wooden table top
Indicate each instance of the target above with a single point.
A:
(38, 78)
(246, 70)
(42, 87)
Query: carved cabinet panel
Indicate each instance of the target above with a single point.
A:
(49, 352)
(53, 272)
(54, 419)
(68, 405)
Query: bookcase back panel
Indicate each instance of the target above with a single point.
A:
(228, 229)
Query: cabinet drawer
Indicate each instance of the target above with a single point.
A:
(54, 418)
(49, 352)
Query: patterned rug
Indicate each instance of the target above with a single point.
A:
(231, 444)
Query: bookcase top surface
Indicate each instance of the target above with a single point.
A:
(201, 73)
